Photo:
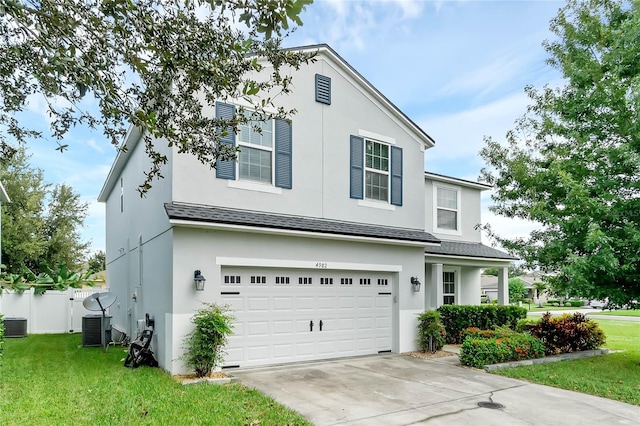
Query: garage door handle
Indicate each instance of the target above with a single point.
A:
(320, 325)
(311, 325)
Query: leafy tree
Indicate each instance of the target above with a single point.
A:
(514, 271)
(97, 261)
(517, 290)
(152, 64)
(41, 224)
(572, 163)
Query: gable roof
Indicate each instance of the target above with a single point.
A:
(252, 219)
(325, 49)
(134, 134)
(4, 198)
(457, 181)
(464, 249)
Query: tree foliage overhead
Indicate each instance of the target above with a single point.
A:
(146, 63)
(41, 225)
(572, 163)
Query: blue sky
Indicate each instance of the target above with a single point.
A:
(456, 68)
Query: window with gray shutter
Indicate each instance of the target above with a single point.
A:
(357, 167)
(323, 89)
(396, 176)
(283, 147)
(226, 169)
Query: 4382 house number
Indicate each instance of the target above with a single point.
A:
(321, 265)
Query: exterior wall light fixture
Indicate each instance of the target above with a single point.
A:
(199, 280)
(415, 284)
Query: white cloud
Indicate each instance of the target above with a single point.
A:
(461, 134)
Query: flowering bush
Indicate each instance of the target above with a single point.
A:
(478, 352)
(567, 333)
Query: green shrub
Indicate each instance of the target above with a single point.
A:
(456, 318)
(524, 324)
(567, 304)
(480, 352)
(576, 303)
(204, 346)
(431, 333)
(568, 333)
(494, 301)
(552, 301)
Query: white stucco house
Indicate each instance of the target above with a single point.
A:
(315, 237)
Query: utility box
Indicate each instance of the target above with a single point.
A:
(92, 329)
(15, 327)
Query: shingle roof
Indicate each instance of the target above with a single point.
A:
(462, 249)
(212, 214)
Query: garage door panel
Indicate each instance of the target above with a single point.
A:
(273, 318)
(305, 303)
(365, 302)
(258, 304)
(258, 328)
(283, 303)
(283, 327)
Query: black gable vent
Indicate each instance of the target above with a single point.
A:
(323, 89)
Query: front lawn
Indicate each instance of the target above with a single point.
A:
(49, 379)
(615, 376)
(619, 312)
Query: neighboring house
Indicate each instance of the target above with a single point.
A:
(489, 286)
(4, 198)
(315, 238)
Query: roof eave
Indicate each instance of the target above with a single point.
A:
(131, 139)
(4, 197)
(457, 181)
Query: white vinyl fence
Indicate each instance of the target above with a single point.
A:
(51, 312)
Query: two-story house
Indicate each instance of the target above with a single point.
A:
(4, 198)
(316, 237)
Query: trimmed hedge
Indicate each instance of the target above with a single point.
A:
(567, 333)
(478, 352)
(431, 333)
(457, 318)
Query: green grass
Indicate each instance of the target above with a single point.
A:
(535, 308)
(619, 312)
(49, 379)
(615, 376)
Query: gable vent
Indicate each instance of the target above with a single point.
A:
(323, 89)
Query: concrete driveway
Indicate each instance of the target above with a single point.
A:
(399, 390)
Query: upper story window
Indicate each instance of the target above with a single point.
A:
(266, 149)
(447, 203)
(377, 171)
(256, 149)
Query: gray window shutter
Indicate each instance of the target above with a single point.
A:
(396, 176)
(357, 167)
(323, 89)
(226, 169)
(283, 148)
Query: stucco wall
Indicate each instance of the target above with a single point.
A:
(321, 158)
(203, 249)
(469, 210)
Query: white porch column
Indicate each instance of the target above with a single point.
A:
(503, 286)
(436, 285)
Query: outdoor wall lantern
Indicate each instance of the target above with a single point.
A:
(199, 280)
(415, 284)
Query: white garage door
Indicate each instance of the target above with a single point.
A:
(300, 315)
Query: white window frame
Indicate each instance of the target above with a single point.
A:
(270, 149)
(458, 210)
(387, 173)
(456, 283)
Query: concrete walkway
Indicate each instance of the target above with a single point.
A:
(394, 389)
